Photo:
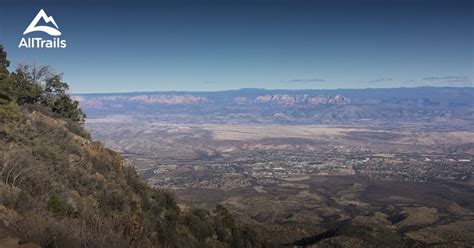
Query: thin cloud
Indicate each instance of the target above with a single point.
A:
(307, 80)
(450, 78)
(442, 81)
(380, 80)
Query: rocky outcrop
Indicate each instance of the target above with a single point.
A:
(119, 100)
(169, 99)
(301, 99)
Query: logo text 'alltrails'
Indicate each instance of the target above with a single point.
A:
(38, 42)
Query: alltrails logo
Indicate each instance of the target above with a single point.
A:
(39, 42)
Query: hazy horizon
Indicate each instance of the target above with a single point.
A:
(263, 89)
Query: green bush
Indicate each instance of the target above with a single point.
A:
(10, 111)
(57, 206)
(224, 216)
(77, 129)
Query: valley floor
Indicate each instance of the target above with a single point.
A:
(313, 184)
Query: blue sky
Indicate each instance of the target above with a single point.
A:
(119, 46)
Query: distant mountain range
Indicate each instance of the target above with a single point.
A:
(445, 96)
(339, 106)
(153, 98)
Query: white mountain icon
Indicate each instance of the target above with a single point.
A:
(47, 19)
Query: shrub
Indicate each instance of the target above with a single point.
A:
(77, 129)
(57, 206)
(9, 112)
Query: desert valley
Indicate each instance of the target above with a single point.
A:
(323, 168)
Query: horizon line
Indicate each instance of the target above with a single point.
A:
(265, 89)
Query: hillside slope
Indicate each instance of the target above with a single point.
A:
(58, 188)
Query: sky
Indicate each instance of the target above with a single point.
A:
(123, 46)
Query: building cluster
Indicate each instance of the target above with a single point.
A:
(276, 167)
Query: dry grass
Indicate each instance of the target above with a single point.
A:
(459, 233)
(419, 216)
(257, 132)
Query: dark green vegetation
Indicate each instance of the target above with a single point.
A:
(36, 87)
(61, 189)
